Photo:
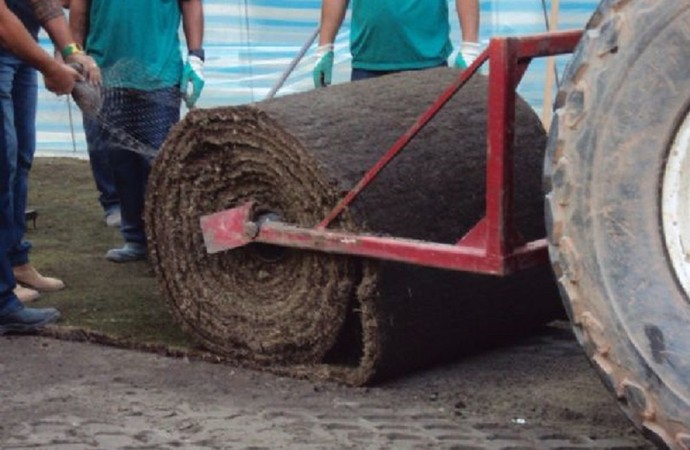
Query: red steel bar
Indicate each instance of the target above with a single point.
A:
(492, 246)
(501, 132)
(233, 228)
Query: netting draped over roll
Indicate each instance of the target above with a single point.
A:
(318, 315)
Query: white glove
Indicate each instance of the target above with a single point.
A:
(323, 69)
(467, 54)
(192, 80)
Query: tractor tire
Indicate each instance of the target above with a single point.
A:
(617, 195)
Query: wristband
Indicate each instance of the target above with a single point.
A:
(71, 49)
(199, 53)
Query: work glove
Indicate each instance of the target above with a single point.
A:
(467, 54)
(192, 80)
(323, 69)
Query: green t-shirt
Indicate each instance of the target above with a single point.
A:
(136, 42)
(399, 34)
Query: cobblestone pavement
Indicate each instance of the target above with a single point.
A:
(540, 394)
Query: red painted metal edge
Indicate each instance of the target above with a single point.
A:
(492, 246)
(431, 254)
(228, 229)
(231, 229)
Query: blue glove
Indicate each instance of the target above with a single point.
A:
(323, 69)
(467, 54)
(192, 80)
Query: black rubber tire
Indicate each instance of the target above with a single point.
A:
(624, 96)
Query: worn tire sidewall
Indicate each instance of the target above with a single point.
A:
(617, 257)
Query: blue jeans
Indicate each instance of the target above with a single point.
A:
(9, 302)
(135, 124)
(18, 97)
(363, 74)
(100, 166)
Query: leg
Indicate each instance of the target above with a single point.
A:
(100, 167)
(148, 117)
(9, 66)
(24, 98)
(129, 169)
(8, 301)
(13, 250)
(14, 317)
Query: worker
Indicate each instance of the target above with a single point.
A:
(59, 78)
(18, 99)
(137, 46)
(389, 36)
(100, 168)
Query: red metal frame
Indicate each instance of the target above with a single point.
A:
(492, 246)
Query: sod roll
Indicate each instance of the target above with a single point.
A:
(316, 315)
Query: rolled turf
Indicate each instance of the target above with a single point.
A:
(317, 315)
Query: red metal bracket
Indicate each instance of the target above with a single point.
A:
(492, 246)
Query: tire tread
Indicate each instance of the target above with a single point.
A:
(605, 32)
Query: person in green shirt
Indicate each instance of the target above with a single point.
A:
(136, 44)
(395, 35)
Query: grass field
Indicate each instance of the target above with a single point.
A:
(109, 301)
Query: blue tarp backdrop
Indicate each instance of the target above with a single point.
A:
(250, 43)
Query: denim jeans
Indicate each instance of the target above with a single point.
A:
(135, 124)
(18, 97)
(8, 301)
(363, 74)
(100, 166)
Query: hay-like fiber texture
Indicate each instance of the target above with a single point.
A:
(317, 315)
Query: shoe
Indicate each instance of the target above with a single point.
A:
(113, 219)
(130, 252)
(26, 295)
(27, 275)
(28, 320)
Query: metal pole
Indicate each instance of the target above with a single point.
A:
(293, 64)
(71, 125)
(551, 71)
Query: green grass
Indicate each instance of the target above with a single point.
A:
(119, 301)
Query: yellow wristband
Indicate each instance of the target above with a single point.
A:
(71, 49)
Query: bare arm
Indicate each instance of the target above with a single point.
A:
(62, 34)
(13, 36)
(79, 20)
(193, 23)
(46, 10)
(332, 15)
(49, 13)
(468, 15)
(58, 31)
